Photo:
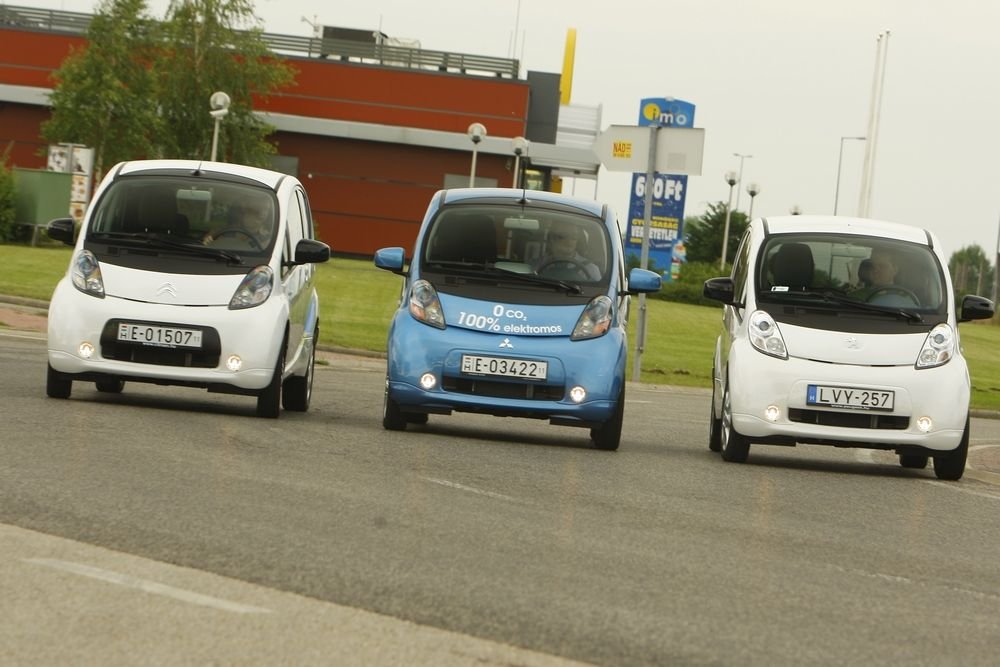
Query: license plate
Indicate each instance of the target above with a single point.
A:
(515, 368)
(855, 398)
(158, 335)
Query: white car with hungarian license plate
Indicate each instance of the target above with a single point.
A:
(815, 349)
(190, 273)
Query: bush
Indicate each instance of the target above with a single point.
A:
(688, 287)
(7, 203)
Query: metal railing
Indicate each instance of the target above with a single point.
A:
(343, 50)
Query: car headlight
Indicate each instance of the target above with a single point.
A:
(254, 288)
(425, 305)
(938, 348)
(765, 335)
(595, 320)
(86, 274)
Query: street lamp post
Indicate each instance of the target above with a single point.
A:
(739, 178)
(520, 145)
(476, 133)
(219, 103)
(836, 193)
(795, 209)
(753, 190)
(731, 180)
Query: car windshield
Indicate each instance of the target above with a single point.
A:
(192, 212)
(842, 270)
(518, 245)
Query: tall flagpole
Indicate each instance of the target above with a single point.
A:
(878, 78)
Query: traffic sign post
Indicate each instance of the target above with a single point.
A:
(674, 150)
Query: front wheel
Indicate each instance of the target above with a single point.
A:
(110, 385)
(608, 436)
(393, 418)
(915, 461)
(297, 392)
(58, 385)
(714, 425)
(735, 447)
(269, 399)
(951, 465)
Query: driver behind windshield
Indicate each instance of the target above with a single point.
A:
(882, 270)
(250, 221)
(562, 257)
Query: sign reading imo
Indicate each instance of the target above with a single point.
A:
(666, 251)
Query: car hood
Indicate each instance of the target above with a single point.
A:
(510, 318)
(174, 289)
(841, 347)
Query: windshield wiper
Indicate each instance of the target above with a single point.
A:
(480, 270)
(831, 296)
(146, 240)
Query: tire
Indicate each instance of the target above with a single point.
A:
(393, 418)
(297, 392)
(951, 465)
(416, 418)
(269, 399)
(735, 447)
(714, 425)
(608, 436)
(58, 385)
(916, 461)
(110, 385)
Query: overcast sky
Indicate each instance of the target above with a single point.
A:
(781, 80)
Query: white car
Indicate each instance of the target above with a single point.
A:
(165, 286)
(816, 349)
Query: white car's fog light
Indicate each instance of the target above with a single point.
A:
(924, 424)
(428, 381)
(234, 363)
(577, 394)
(772, 413)
(86, 350)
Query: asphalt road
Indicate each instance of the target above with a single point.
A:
(171, 526)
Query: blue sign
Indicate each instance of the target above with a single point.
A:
(666, 252)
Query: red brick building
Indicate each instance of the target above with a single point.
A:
(373, 129)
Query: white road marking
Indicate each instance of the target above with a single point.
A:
(953, 487)
(147, 586)
(21, 334)
(865, 455)
(463, 487)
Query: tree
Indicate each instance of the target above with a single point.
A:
(208, 46)
(104, 95)
(971, 272)
(703, 234)
(7, 198)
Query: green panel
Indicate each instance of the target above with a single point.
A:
(41, 195)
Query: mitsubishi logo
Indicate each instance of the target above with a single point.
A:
(852, 343)
(168, 289)
(506, 343)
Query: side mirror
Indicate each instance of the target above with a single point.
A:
(641, 281)
(975, 308)
(719, 289)
(311, 251)
(62, 229)
(390, 259)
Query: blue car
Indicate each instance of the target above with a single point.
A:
(515, 304)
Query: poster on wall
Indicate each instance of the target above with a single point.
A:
(78, 161)
(666, 248)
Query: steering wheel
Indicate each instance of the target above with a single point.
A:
(241, 232)
(576, 265)
(892, 289)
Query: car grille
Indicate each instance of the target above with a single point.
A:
(849, 419)
(206, 357)
(480, 387)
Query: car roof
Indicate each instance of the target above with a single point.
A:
(266, 177)
(828, 224)
(593, 207)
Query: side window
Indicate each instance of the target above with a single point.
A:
(741, 265)
(293, 234)
(308, 228)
